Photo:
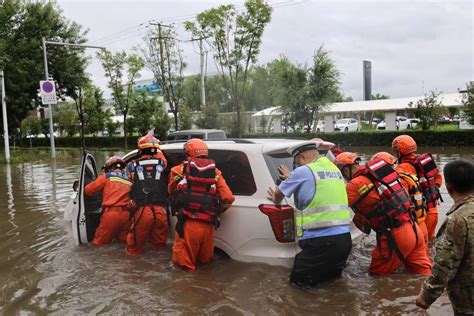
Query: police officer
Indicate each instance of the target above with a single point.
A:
(322, 215)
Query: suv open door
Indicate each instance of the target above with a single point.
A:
(86, 215)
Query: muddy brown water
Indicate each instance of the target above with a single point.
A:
(43, 272)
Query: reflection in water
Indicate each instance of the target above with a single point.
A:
(42, 271)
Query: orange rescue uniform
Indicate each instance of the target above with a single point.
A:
(197, 245)
(412, 248)
(150, 223)
(407, 166)
(115, 219)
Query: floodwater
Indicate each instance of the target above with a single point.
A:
(43, 272)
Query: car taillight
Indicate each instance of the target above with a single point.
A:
(282, 221)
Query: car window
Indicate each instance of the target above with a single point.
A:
(403, 118)
(171, 137)
(200, 136)
(216, 135)
(353, 121)
(275, 160)
(182, 137)
(341, 121)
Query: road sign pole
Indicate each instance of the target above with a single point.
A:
(50, 107)
(5, 120)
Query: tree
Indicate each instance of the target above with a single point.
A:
(22, 25)
(94, 110)
(115, 66)
(164, 58)
(162, 123)
(185, 118)
(111, 127)
(67, 119)
(289, 91)
(209, 117)
(468, 103)
(142, 112)
(191, 93)
(31, 126)
(235, 38)
(378, 96)
(323, 84)
(427, 110)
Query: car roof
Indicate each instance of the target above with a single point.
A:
(190, 131)
(265, 145)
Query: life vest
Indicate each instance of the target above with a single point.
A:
(427, 172)
(416, 196)
(195, 196)
(149, 184)
(393, 208)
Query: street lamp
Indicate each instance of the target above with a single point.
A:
(46, 75)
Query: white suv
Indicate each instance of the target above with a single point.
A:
(253, 229)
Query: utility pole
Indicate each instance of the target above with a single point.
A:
(46, 75)
(50, 106)
(5, 119)
(203, 84)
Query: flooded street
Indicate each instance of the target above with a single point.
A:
(43, 272)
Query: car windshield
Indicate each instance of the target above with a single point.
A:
(344, 121)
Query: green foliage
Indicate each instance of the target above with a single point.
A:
(235, 38)
(468, 103)
(143, 111)
(111, 127)
(31, 126)
(191, 92)
(22, 25)
(185, 118)
(162, 124)
(65, 116)
(122, 70)
(379, 97)
(209, 117)
(323, 83)
(163, 56)
(423, 138)
(427, 110)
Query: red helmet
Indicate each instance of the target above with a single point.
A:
(114, 162)
(148, 141)
(404, 145)
(385, 156)
(195, 148)
(346, 159)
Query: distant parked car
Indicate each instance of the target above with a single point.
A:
(197, 133)
(413, 122)
(401, 121)
(444, 119)
(347, 125)
(456, 119)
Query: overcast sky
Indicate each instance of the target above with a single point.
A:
(414, 46)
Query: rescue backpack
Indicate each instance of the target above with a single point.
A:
(427, 172)
(394, 207)
(195, 195)
(149, 183)
(416, 196)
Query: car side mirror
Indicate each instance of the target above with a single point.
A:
(75, 185)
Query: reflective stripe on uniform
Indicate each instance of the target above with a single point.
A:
(329, 206)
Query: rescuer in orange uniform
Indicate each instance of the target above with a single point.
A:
(380, 203)
(410, 183)
(199, 195)
(115, 218)
(429, 178)
(148, 198)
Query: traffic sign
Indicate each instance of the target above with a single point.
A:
(48, 92)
